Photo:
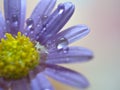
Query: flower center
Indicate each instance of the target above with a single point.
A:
(18, 55)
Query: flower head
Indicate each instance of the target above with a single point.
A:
(29, 51)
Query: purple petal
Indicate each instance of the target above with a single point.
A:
(21, 84)
(66, 76)
(70, 55)
(68, 36)
(2, 26)
(41, 83)
(14, 15)
(74, 33)
(40, 13)
(55, 22)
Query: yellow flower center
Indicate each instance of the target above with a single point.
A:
(18, 55)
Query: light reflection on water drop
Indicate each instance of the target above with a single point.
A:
(62, 45)
(30, 24)
(61, 8)
(29, 21)
(14, 20)
(44, 17)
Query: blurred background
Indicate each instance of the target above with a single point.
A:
(103, 18)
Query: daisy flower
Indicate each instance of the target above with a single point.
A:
(33, 48)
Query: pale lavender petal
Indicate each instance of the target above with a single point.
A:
(74, 33)
(69, 35)
(66, 76)
(70, 55)
(21, 84)
(14, 15)
(40, 13)
(42, 10)
(62, 39)
(55, 22)
(41, 83)
(2, 26)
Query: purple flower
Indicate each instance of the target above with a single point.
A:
(30, 51)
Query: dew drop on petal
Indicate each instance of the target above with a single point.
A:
(45, 16)
(29, 21)
(62, 44)
(43, 29)
(14, 20)
(30, 24)
(61, 8)
(61, 11)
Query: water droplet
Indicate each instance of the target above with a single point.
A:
(15, 24)
(30, 27)
(30, 24)
(29, 21)
(61, 8)
(14, 18)
(61, 11)
(44, 25)
(62, 44)
(43, 30)
(45, 16)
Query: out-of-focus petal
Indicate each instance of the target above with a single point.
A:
(21, 84)
(66, 76)
(14, 15)
(70, 55)
(40, 13)
(2, 26)
(55, 22)
(41, 83)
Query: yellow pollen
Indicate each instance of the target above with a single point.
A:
(18, 55)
